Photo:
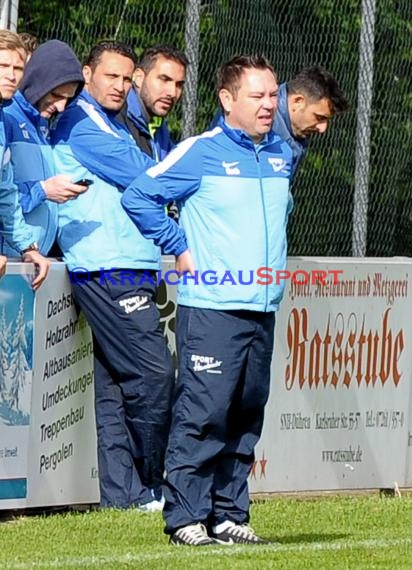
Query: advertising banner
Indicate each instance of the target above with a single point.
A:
(16, 365)
(47, 429)
(339, 414)
(62, 466)
(339, 410)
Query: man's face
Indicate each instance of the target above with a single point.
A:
(110, 81)
(11, 71)
(254, 106)
(56, 101)
(161, 87)
(308, 116)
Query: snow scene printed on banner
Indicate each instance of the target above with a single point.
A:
(16, 348)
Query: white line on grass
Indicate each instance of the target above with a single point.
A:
(187, 552)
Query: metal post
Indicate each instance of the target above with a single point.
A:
(14, 14)
(9, 11)
(4, 14)
(192, 52)
(119, 25)
(365, 92)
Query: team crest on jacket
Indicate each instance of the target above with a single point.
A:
(24, 131)
(278, 164)
(45, 131)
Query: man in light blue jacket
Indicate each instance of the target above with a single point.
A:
(14, 232)
(106, 256)
(232, 186)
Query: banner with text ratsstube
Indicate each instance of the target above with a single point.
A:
(339, 411)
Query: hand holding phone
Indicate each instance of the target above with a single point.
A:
(61, 188)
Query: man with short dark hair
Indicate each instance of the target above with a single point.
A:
(133, 367)
(157, 87)
(14, 232)
(306, 104)
(223, 179)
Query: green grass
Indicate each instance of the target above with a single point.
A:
(332, 532)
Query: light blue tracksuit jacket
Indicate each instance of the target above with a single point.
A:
(14, 232)
(32, 161)
(94, 230)
(234, 201)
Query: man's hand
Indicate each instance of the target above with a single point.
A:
(60, 188)
(185, 263)
(3, 263)
(42, 265)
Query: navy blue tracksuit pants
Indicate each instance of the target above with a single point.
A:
(134, 380)
(220, 395)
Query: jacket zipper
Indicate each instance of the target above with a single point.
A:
(265, 224)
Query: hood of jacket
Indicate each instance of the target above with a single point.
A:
(283, 128)
(52, 64)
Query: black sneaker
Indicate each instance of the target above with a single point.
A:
(238, 534)
(191, 535)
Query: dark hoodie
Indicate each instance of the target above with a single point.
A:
(52, 64)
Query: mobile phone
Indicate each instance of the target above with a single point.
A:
(84, 182)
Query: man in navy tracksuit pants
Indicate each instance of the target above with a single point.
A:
(107, 258)
(232, 185)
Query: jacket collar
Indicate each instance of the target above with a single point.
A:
(243, 139)
(29, 110)
(87, 97)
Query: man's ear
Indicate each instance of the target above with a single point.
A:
(296, 101)
(87, 74)
(226, 100)
(138, 77)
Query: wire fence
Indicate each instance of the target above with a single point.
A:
(353, 193)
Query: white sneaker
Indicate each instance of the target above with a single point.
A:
(151, 507)
(191, 535)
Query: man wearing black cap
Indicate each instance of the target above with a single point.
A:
(52, 78)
